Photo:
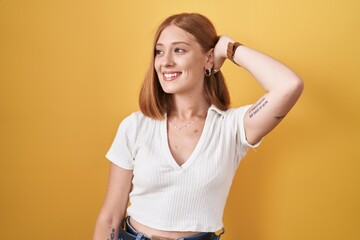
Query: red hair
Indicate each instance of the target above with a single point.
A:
(153, 101)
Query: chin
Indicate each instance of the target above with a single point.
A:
(168, 91)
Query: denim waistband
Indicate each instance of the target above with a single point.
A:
(131, 234)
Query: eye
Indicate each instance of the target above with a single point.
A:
(158, 52)
(179, 50)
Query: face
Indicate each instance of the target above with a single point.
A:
(180, 62)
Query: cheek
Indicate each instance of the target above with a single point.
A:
(196, 68)
(157, 69)
(156, 65)
(197, 64)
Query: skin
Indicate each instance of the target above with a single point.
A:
(179, 54)
(282, 85)
(180, 64)
(113, 210)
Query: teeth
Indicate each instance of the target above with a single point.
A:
(170, 75)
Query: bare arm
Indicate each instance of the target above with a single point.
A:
(113, 210)
(283, 88)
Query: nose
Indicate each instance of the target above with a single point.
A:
(167, 59)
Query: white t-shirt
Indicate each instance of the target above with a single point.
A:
(190, 197)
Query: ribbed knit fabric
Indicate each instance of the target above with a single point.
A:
(190, 197)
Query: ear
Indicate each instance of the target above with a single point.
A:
(209, 58)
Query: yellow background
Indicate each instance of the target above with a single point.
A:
(71, 70)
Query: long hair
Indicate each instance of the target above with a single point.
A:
(153, 101)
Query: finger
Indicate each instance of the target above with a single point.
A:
(218, 62)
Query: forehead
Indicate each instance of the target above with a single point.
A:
(173, 33)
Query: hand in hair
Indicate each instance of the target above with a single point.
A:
(220, 51)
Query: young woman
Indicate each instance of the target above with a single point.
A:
(175, 159)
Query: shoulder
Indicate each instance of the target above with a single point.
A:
(231, 113)
(238, 111)
(133, 118)
(136, 122)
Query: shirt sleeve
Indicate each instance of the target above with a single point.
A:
(121, 150)
(241, 127)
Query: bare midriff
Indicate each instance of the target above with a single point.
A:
(155, 232)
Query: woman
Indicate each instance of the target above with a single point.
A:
(176, 158)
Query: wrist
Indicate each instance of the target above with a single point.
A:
(223, 45)
(231, 49)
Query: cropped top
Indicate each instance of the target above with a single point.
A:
(190, 197)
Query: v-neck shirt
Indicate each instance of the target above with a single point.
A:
(190, 197)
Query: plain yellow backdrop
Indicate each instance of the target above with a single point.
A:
(70, 71)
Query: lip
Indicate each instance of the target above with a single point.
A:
(170, 76)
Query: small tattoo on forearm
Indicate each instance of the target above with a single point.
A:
(257, 107)
(112, 234)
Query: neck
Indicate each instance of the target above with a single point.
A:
(189, 107)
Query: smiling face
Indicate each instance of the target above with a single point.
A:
(180, 62)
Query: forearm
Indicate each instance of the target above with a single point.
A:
(283, 87)
(273, 75)
(107, 229)
(113, 211)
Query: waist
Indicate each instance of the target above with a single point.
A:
(132, 232)
(151, 231)
(172, 218)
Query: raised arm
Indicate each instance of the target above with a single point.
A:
(113, 210)
(283, 87)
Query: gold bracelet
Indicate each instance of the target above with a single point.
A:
(231, 50)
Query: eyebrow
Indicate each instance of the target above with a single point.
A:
(173, 43)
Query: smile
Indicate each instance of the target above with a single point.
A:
(169, 76)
